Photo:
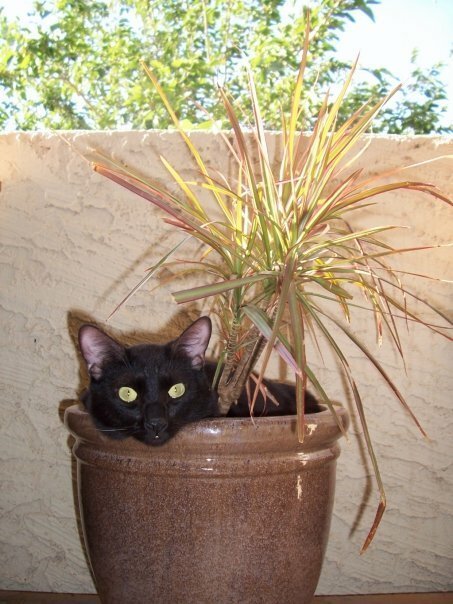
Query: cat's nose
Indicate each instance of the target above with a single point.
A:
(156, 426)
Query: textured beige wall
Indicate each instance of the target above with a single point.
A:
(72, 244)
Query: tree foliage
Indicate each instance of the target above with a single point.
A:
(76, 63)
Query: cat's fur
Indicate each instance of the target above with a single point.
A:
(151, 370)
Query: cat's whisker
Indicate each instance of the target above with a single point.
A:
(127, 362)
(116, 429)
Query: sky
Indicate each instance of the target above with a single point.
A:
(400, 26)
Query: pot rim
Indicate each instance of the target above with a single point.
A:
(227, 434)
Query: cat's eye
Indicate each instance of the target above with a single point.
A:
(177, 390)
(127, 394)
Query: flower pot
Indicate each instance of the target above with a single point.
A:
(228, 511)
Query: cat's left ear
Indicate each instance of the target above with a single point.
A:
(193, 342)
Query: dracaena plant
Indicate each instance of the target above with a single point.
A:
(277, 242)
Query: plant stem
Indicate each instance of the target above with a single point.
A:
(234, 377)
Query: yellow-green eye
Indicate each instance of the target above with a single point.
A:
(126, 394)
(177, 390)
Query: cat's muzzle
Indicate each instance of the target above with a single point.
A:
(156, 431)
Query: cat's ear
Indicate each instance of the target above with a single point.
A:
(192, 343)
(97, 349)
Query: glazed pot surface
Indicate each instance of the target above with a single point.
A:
(228, 511)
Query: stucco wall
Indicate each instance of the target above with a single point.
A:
(73, 244)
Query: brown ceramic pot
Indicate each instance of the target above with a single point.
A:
(227, 512)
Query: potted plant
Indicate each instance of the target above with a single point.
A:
(280, 259)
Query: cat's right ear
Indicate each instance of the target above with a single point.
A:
(97, 349)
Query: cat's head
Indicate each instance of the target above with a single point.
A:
(147, 391)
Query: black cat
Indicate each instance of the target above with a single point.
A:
(149, 391)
